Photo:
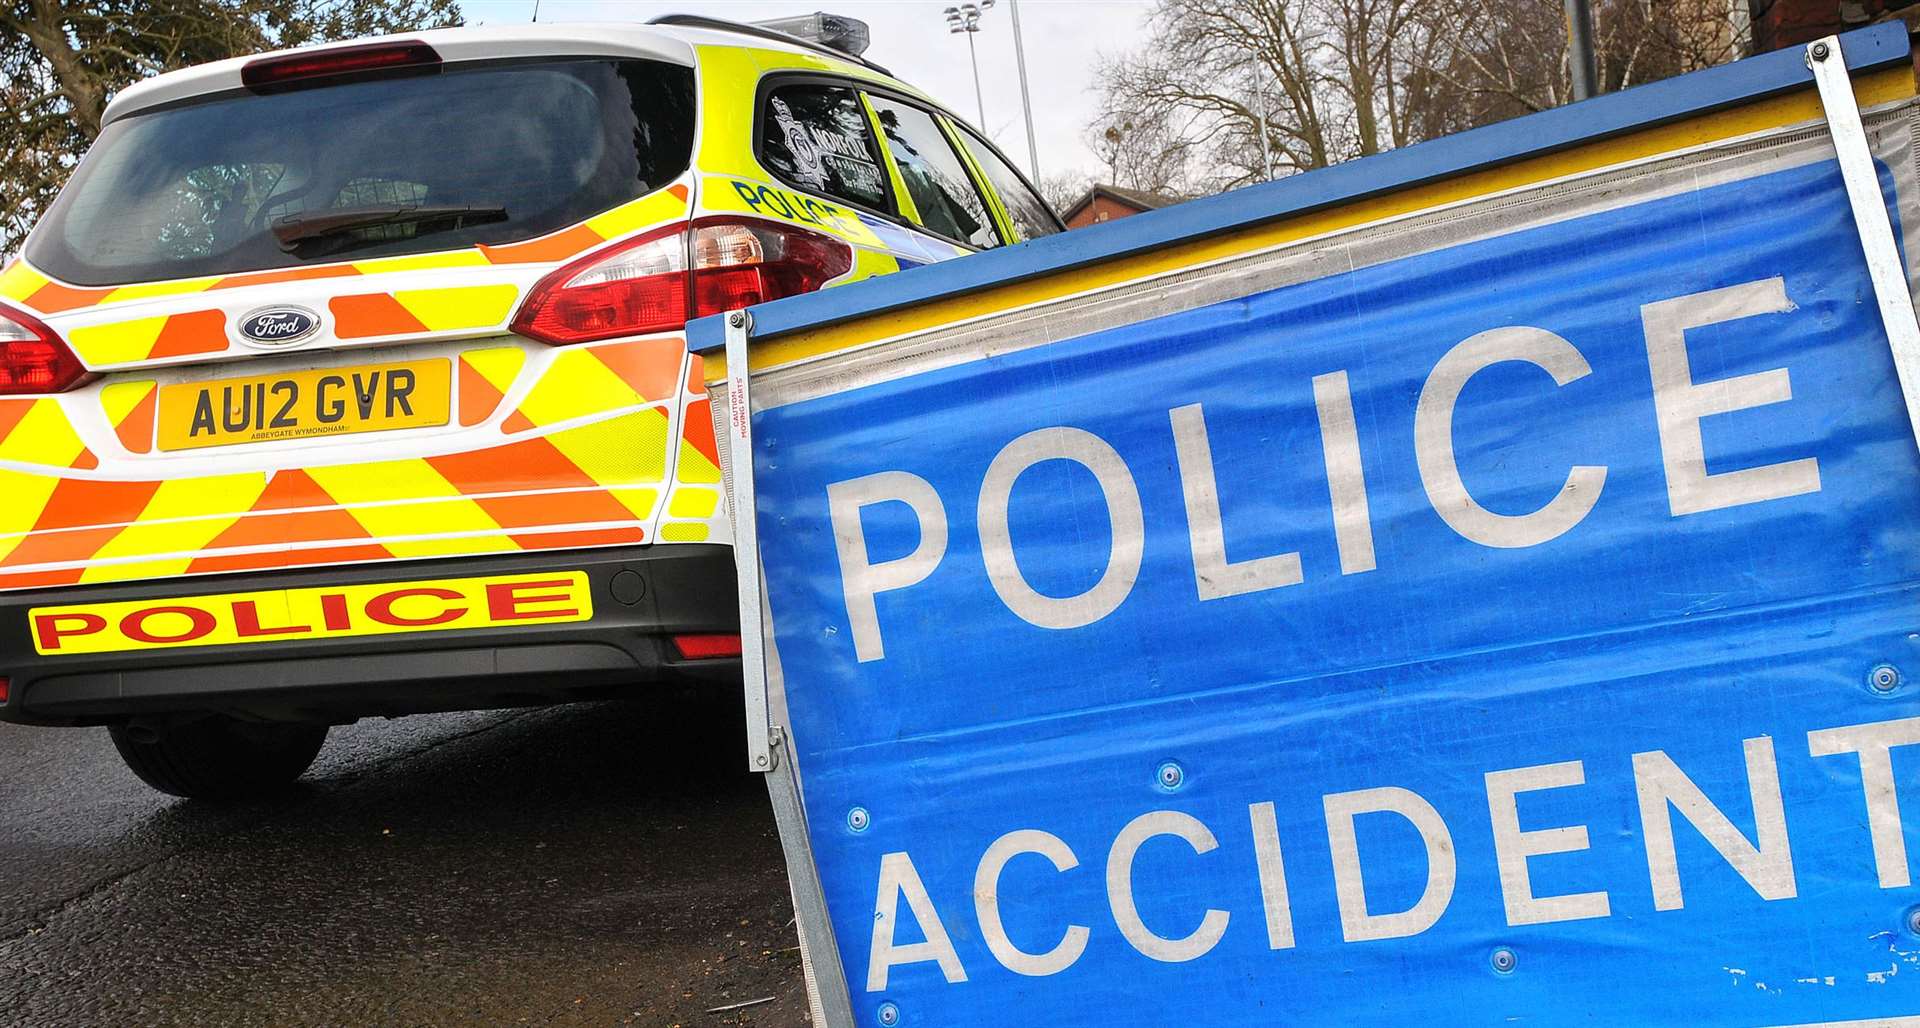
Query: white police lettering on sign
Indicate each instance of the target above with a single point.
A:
(1678, 406)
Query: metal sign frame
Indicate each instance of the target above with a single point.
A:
(767, 748)
(1870, 221)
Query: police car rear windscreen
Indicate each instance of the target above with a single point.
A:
(478, 153)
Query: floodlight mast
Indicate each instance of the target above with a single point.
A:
(965, 20)
(1580, 49)
(1026, 95)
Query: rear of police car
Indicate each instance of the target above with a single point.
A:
(348, 382)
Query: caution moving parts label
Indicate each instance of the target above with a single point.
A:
(284, 615)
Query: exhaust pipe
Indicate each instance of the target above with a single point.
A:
(146, 733)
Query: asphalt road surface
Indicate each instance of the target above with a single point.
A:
(601, 864)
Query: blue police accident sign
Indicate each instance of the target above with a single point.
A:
(1521, 629)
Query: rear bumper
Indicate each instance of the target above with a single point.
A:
(641, 596)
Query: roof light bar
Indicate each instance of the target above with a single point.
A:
(852, 38)
(303, 68)
(847, 35)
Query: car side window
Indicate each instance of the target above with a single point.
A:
(817, 137)
(1030, 215)
(938, 182)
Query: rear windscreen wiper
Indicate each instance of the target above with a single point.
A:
(295, 229)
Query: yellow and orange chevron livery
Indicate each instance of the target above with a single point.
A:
(694, 512)
(558, 447)
(588, 463)
(595, 378)
(413, 312)
(129, 407)
(145, 339)
(485, 377)
(36, 431)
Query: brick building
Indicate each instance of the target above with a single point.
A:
(1784, 23)
(1103, 202)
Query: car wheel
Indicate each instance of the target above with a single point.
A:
(219, 758)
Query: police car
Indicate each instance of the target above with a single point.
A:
(349, 381)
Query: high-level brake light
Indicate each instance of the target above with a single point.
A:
(32, 358)
(658, 282)
(303, 68)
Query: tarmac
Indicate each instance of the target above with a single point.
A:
(602, 864)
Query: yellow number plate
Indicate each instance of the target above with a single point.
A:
(305, 404)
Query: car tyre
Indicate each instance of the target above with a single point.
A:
(220, 758)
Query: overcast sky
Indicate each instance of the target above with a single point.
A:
(1064, 39)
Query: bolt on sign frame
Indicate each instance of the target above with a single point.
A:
(1041, 534)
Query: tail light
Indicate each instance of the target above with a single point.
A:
(660, 281)
(636, 287)
(6, 687)
(33, 359)
(738, 263)
(707, 647)
(317, 67)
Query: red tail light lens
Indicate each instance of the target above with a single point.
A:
(633, 288)
(707, 647)
(738, 263)
(648, 284)
(6, 687)
(33, 359)
(368, 60)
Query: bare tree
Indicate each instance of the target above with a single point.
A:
(1336, 79)
(1501, 58)
(1063, 189)
(1325, 77)
(61, 61)
(1145, 156)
